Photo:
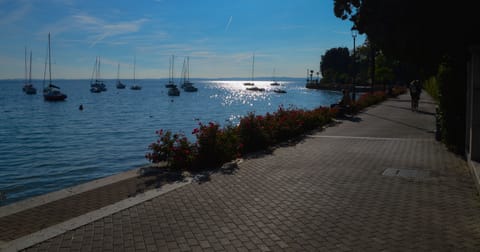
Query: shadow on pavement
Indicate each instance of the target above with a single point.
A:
(401, 123)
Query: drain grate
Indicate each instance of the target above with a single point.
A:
(406, 173)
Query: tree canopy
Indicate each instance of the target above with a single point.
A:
(337, 59)
(417, 32)
(431, 36)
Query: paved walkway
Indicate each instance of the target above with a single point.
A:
(377, 182)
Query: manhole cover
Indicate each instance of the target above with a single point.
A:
(406, 173)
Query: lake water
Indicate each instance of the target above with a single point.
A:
(47, 146)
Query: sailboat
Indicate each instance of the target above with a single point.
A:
(279, 90)
(97, 85)
(28, 87)
(135, 86)
(170, 83)
(252, 83)
(174, 91)
(120, 85)
(187, 85)
(253, 67)
(274, 83)
(51, 92)
(172, 88)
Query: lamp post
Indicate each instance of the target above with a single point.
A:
(354, 65)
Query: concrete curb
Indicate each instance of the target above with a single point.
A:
(52, 231)
(56, 195)
(475, 171)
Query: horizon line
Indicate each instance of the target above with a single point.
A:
(205, 78)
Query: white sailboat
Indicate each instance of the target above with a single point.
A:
(120, 85)
(96, 84)
(253, 71)
(274, 83)
(187, 85)
(51, 92)
(252, 83)
(28, 87)
(135, 86)
(170, 83)
(172, 88)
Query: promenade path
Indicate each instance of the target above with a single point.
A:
(376, 182)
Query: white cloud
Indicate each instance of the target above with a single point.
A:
(100, 29)
(13, 15)
(228, 23)
(94, 30)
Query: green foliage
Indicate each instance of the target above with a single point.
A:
(368, 99)
(431, 87)
(335, 59)
(386, 70)
(414, 32)
(174, 149)
(452, 106)
(252, 132)
(335, 65)
(383, 69)
(216, 145)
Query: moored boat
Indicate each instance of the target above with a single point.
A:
(187, 85)
(174, 91)
(97, 85)
(119, 85)
(51, 92)
(135, 86)
(28, 87)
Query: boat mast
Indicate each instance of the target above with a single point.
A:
(169, 70)
(253, 66)
(98, 70)
(94, 70)
(49, 62)
(45, 71)
(30, 70)
(134, 62)
(184, 70)
(188, 68)
(25, 64)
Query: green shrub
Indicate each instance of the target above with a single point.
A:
(175, 149)
(432, 88)
(216, 145)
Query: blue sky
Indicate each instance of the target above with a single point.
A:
(219, 36)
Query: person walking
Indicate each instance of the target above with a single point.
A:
(415, 91)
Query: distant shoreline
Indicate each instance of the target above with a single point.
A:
(166, 78)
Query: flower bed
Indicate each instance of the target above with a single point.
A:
(216, 145)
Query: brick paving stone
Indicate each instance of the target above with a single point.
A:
(34, 219)
(325, 193)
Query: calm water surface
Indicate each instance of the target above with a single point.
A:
(47, 146)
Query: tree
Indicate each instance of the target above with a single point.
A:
(384, 70)
(417, 32)
(335, 64)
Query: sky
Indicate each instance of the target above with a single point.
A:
(220, 37)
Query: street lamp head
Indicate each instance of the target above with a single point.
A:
(354, 32)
